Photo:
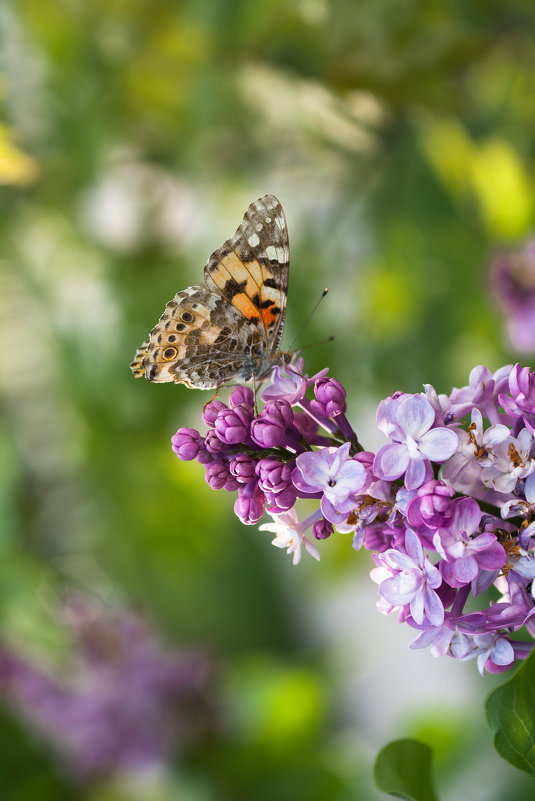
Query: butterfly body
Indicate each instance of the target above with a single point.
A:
(228, 329)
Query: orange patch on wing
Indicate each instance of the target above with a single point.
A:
(268, 317)
(245, 305)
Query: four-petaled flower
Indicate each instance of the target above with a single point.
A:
(289, 534)
(408, 421)
(331, 472)
(410, 579)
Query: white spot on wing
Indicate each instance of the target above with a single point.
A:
(271, 253)
(253, 241)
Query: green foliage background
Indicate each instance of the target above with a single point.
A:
(399, 138)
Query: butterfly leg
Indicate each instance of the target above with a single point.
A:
(214, 396)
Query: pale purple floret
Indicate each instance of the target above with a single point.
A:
(287, 384)
(409, 579)
(474, 451)
(511, 459)
(465, 553)
(333, 473)
(493, 651)
(186, 443)
(521, 402)
(408, 421)
(482, 392)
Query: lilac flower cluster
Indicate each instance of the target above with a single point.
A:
(447, 506)
(121, 707)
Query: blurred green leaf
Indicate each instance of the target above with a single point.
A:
(403, 769)
(511, 715)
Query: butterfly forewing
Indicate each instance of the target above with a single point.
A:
(251, 268)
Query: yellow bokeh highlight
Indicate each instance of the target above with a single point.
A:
(16, 167)
(490, 172)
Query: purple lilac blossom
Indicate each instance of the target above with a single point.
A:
(408, 421)
(410, 579)
(464, 553)
(333, 473)
(434, 548)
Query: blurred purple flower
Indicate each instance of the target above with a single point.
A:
(130, 704)
(513, 284)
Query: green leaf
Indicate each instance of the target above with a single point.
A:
(511, 716)
(403, 769)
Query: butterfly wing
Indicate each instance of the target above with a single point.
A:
(229, 329)
(250, 270)
(200, 341)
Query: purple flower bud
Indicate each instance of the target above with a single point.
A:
(281, 501)
(269, 430)
(211, 410)
(243, 468)
(205, 457)
(306, 425)
(274, 476)
(232, 425)
(186, 443)
(218, 476)
(322, 529)
(330, 397)
(432, 505)
(249, 505)
(242, 396)
(213, 443)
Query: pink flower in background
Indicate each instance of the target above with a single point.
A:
(513, 285)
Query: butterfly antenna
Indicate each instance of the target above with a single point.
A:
(296, 337)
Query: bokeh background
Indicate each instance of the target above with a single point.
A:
(153, 647)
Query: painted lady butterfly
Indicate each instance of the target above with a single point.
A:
(230, 328)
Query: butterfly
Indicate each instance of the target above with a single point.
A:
(229, 328)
